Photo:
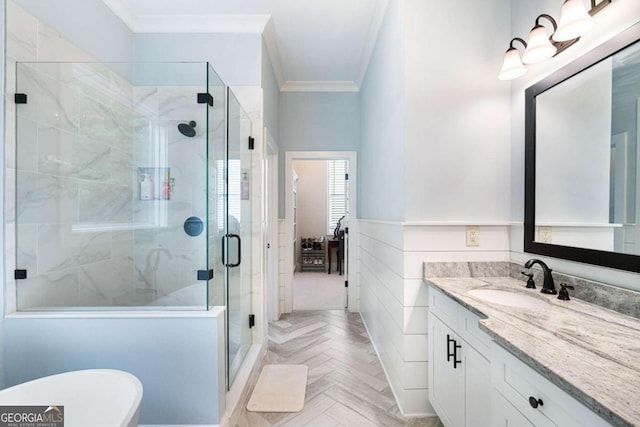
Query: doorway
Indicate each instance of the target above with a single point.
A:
(312, 180)
(320, 205)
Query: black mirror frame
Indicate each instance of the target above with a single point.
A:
(590, 256)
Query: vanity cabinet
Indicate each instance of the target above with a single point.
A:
(458, 372)
(473, 381)
(518, 388)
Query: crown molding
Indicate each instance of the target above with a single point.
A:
(234, 24)
(320, 86)
(188, 23)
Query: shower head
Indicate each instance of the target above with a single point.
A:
(188, 129)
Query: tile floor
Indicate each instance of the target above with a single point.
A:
(346, 384)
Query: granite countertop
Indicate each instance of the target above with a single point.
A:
(590, 352)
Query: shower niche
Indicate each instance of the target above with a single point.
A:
(154, 183)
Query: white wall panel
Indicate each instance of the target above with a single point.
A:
(416, 375)
(391, 278)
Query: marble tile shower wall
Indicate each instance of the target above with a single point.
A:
(77, 226)
(68, 155)
(166, 258)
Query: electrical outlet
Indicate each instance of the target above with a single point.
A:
(544, 234)
(473, 235)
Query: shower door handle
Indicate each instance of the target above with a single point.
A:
(224, 260)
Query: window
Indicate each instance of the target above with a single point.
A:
(337, 188)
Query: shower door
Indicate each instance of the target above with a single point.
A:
(236, 242)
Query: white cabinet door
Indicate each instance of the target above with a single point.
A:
(504, 414)
(477, 373)
(446, 383)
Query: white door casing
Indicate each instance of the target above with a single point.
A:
(350, 275)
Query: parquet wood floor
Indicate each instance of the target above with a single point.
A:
(346, 384)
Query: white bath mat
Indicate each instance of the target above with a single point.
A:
(280, 388)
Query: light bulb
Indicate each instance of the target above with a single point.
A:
(575, 21)
(512, 68)
(539, 48)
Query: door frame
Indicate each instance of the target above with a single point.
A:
(351, 276)
(271, 244)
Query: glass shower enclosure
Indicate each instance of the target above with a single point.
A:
(132, 191)
(236, 246)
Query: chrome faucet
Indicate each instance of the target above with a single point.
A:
(548, 287)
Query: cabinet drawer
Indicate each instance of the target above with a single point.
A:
(518, 382)
(461, 320)
(469, 330)
(443, 307)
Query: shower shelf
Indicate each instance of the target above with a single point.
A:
(154, 183)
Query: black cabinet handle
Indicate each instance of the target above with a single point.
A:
(535, 402)
(456, 346)
(456, 362)
(449, 354)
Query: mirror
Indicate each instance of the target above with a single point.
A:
(582, 158)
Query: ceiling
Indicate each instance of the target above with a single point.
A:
(313, 45)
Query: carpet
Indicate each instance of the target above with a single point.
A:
(318, 291)
(280, 388)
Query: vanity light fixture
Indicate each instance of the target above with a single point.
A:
(539, 46)
(575, 21)
(512, 67)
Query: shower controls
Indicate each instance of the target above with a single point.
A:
(193, 226)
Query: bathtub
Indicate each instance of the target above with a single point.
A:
(95, 397)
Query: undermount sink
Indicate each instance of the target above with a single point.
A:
(512, 299)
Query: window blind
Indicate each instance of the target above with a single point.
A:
(337, 192)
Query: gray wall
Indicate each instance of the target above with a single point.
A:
(383, 102)
(235, 57)
(90, 24)
(317, 121)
